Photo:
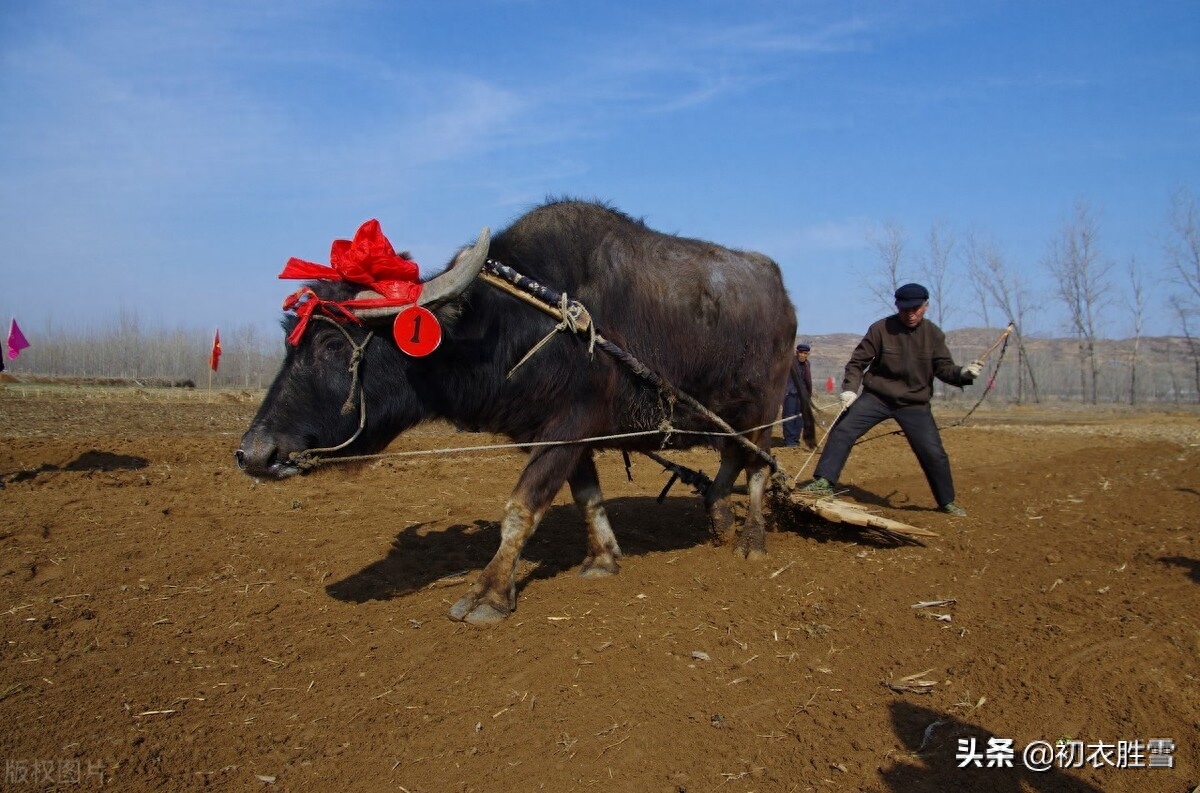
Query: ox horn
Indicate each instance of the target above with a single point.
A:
(459, 274)
(447, 286)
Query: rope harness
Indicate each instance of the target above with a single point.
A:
(574, 317)
(310, 458)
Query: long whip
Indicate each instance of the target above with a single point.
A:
(1002, 338)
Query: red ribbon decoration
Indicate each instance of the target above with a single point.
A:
(369, 261)
(305, 301)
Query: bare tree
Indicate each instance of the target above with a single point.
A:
(977, 275)
(1137, 305)
(1183, 248)
(936, 269)
(1183, 260)
(996, 284)
(1185, 312)
(1081, 279)
(129, 345)
(889, 242)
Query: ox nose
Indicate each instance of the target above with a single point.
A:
(256, 453)
(262, 454)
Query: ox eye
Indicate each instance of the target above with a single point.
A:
(331, 345)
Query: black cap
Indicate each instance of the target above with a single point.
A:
(802, 348)
(911, 296)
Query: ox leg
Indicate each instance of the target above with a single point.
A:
(717, 499)
(602, 551)
(493, 596)
(753, 543)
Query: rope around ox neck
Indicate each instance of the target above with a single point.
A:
(309, 458)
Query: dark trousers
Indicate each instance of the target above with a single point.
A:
(792, 427)
(918, 425)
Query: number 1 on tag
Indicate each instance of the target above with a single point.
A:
(417, 331)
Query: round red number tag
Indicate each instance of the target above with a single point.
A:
(417, 331)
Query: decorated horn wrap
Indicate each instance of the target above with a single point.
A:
(441, 288)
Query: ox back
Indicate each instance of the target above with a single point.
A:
(714, 322)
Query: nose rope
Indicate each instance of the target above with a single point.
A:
(309, 458)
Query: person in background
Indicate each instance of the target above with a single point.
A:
(797, 402)
(894, 366)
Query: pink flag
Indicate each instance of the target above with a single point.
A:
(16, 340)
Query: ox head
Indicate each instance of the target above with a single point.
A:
(344, 387)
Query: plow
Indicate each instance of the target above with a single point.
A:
(791, 508)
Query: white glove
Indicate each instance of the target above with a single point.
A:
(973, 369)
(847, 398)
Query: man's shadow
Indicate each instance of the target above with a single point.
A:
(1191, 565)
(933, 765)
(420, 557)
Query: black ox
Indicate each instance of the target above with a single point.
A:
(715, 323)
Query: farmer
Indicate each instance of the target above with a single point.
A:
(797, 402)
(894, 365)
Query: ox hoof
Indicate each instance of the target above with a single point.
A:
(752, 546)
(471, 609)
(599, 567)
(721, 517)
(752, 554)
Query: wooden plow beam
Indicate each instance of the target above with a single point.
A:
(853, 516)
(786, 501)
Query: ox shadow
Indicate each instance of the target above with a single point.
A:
(421, 556)
(90, 461)
(932, 763)
(1191, 565)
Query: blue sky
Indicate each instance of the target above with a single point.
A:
(164, 159)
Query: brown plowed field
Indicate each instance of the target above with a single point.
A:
(167, 623)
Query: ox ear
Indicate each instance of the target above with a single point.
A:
(459, 275)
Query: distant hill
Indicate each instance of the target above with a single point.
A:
(1165, 366)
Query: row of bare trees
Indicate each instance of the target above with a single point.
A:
(1033, 368)
(1087, 288)
(129, 352)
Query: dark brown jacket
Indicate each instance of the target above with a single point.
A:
(899, 363)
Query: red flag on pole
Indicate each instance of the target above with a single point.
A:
(16, 340)
(215, 358)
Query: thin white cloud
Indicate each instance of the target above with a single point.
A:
(829, 236)
(684, 65)
(802, 36)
